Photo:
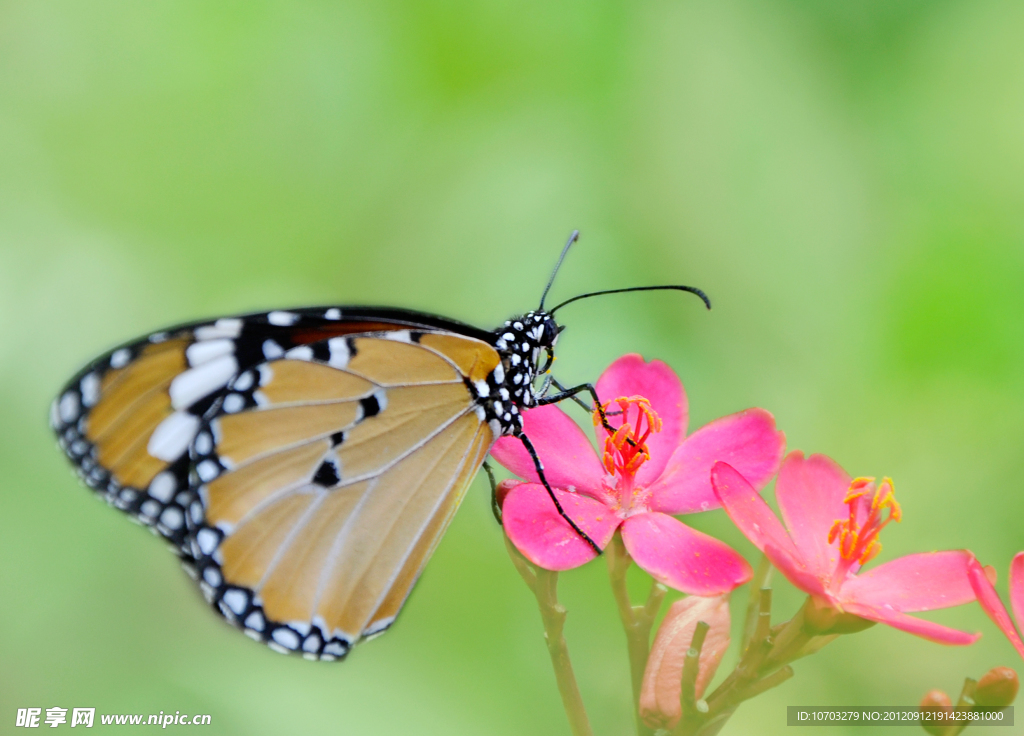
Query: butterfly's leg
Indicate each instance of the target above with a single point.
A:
(570, 393)
(495, 509)
(544, 481)
(575, 399)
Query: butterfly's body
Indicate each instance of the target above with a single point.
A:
(303, 463)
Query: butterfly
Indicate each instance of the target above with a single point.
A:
(304, 463)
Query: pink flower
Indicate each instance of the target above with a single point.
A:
(833, 524)
(648, 471)
(660, 706)
(983, 579)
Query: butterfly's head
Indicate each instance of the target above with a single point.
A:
(528, 337)
(527, 346)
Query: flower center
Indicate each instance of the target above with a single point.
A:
(625, 449)
(858, 534)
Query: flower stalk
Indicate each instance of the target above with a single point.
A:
(636, 620)
(544, 585)
(756, 605)
(764, 665)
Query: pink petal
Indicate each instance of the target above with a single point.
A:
(992, 604)
(681, 557)
(920, 582)
(755, 519)
(659, 697)
(631, 376)
(810, 495)
(917, 626)
(544, 537)
(568, 457)
(1017, 587)
(748, 441)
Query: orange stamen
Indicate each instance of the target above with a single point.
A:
(625, 449)
(858, 542)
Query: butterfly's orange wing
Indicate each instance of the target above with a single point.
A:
(326, 483)
(305, 466)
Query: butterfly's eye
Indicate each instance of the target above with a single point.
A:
(549, 333)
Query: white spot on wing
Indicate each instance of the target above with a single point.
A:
(243, 382)
(311, 644)
(334, 649)
(282, 319)
(204, 443)
(255, 621)
(195, 383)
(90, 386)
(207, 470)
(207, 539)
(172, 518)
(171, 437)
(332, 313)
(286, 638)
(233, 403)
(120, 358)
(236, 601)
(230, 327)
(271, 350)
(205, 351)
(163, 486)
(303, 352)
(69, 407)
(340, 353)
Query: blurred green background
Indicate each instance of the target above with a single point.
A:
(846, 180)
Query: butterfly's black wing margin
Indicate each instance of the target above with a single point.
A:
(127, 420)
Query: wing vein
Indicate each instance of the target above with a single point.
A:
(414, 541)
(282, 549)
(330, 561)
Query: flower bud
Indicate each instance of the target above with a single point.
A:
(997, 687)
(660, 705)
(932, 701)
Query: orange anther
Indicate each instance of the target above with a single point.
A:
(858, 541)
(625, 449)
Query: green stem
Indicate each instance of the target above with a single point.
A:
(636, 620)
(544, 584)
(763, 665)
(691, 668)
(761, 582)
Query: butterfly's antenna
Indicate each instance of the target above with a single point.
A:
(673, 287)
(572, 239)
